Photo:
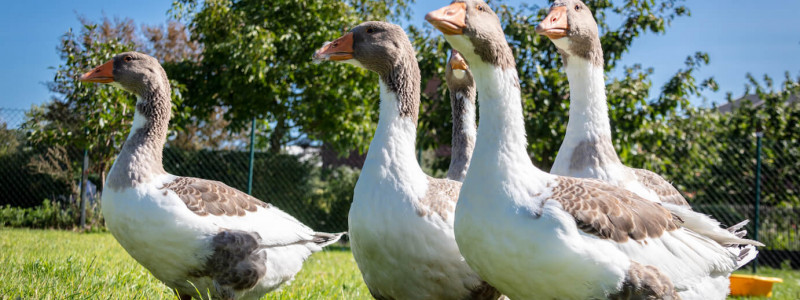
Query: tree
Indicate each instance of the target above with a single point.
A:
(256, 62)
(209, 132)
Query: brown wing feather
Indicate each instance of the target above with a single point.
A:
(204, 197)
(665, 191)
(610, 212)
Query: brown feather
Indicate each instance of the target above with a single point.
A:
(204, 197)
(665, 191)
(610, 212)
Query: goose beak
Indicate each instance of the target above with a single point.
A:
(450, 20)
(102, 74)
(338, 50)
(457, 62)
(555, 25)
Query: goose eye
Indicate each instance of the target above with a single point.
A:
(577, 7)
(370, 30)
(128, 58)
(480, 8)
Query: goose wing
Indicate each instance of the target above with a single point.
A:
(665, 191)
(612, 213)
(232, 209)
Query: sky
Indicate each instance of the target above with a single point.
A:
(740, 36)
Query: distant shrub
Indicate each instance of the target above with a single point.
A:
(51, 215)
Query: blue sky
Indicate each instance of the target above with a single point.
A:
(740, 36)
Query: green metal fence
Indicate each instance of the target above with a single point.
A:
(720, 178)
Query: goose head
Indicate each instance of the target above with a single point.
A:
(572, 28)
(135, 72)
(473, 29)
(376, 46)
(457, 72)
(385, 49)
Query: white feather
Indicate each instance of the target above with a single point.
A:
(531, 248)
(401, 254)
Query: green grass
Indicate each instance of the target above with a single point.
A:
(49, 264)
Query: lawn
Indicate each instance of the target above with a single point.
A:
(47, 264)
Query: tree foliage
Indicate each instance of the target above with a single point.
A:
(257, 63)
(711, 155)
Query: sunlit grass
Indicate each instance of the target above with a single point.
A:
(49, 264)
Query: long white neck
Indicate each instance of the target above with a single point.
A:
(501, 145)
(587, 149)
(588, 111)
(393, 146)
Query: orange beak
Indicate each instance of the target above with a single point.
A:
(457, 62)
(338, 50)
(450, 20)
(102, 74)
(555, 25)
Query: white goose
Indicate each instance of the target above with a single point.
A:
(401, 220)
(195, 235)
(535, 235)
(587, 150)
(462, 102)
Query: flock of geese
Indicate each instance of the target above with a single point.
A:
(497, 227)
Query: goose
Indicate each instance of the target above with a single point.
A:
(197, 236)
(535, 235)
(587, 150)
(462, 102)
(401, 220)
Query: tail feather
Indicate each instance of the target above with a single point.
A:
(746, 254)
(707, 226)
(737, 229)
(323, 239)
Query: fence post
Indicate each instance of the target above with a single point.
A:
(759, 135)
(84, 179)
(252, 156)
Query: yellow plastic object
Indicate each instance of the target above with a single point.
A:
(752, 285)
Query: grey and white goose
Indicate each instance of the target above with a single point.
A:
(195, 235)
(401, 220)
(535, 235)
(462, 102)
(587, 150)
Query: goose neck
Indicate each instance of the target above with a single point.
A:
(501, 144)
(588, 112)
(464, 131)
(394, 143)
(140, 159)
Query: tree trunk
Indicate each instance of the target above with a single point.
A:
(102, 185)
(277, 135)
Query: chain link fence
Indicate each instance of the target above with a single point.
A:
(294, 181)
(718, 178)
(726, 180)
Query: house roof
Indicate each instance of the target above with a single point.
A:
(753, 99)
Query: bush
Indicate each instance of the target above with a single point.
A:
(51, 215)
(22, 187)
(332, 196)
